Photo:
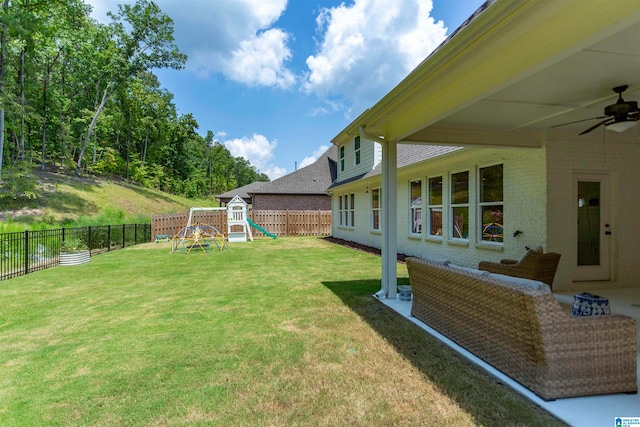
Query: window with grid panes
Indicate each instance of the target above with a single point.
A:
(460, 205)
(434, 203)
(375, 209)
(415, 207)
(491, 204)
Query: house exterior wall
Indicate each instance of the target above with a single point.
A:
(525, 209)
(291, 202)
(539, 201)
(618, 158)
(370, 155)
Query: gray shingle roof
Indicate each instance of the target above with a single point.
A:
(312, 179)
(241, 191)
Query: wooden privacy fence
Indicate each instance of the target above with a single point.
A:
(282, 223)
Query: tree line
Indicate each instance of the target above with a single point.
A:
(81, 96)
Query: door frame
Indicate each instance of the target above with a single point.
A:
(603, 271)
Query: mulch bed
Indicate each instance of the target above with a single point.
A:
(360, 247)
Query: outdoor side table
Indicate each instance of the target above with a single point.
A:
(587, 304)
(404, 292)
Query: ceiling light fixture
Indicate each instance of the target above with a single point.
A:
(621, 126)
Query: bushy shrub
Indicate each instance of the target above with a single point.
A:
(71, 246)
(18, 186)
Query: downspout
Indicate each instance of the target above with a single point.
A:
(389, 252)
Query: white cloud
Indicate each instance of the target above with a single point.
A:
(232, 37)
(367, 47)
(217, 35)
(258, 150)
(312, 158)
(260, 60)
(274, 172)
(364, 49)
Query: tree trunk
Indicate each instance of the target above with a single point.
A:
(95, 147)
(45, 88)
(3, 59)
(22, 104)
(146, 140)
(128, 148)
(44, 121)
(87, 138)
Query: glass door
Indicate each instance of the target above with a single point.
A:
(593, 229)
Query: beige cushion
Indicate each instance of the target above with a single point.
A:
(519, 281)
(468, 270)
(436, 260)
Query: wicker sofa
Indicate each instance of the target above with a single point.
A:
(524, 332)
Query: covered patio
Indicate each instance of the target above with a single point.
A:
(521, 74)
(602, 410)
(531, 74)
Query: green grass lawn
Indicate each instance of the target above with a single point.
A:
(269, 332)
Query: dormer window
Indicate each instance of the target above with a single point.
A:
(342, 159)
(357, 150)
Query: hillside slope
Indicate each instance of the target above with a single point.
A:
(70, 197)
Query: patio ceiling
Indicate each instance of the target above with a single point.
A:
(515, 71)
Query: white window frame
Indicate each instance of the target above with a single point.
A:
(453, 206)
(415, 210)
(356, 150)
(376, 210)
(481, 223)
(341, 158)
(352, 211)
(435, 208)
(340, 211)
(345, 211)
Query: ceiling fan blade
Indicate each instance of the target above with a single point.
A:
(596, 125)
(578, 121)
(635, 116)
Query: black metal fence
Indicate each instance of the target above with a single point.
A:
(29, 251)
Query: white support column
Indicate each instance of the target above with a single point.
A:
(389, 220)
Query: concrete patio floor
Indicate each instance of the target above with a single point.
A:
(576, 411)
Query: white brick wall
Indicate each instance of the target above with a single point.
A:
(524, 191)
(620, 160)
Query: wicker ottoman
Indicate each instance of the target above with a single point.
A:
(586, 304)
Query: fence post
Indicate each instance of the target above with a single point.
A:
(26, 251)
(135, 233)
(124, 230)
(89, 239)
(108, 237)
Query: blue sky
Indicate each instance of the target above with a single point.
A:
(276, 80)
